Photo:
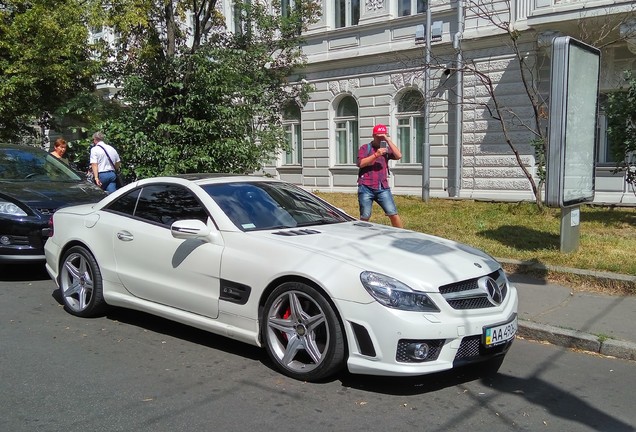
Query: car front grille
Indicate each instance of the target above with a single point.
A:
(471, 348)
(468, 295)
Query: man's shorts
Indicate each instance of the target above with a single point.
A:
(383, 197)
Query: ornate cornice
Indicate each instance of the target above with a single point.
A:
(405, 79)
(344, 86)
(374, 5)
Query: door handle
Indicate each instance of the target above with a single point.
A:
(125, 236)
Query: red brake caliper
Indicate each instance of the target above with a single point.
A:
(286, 315)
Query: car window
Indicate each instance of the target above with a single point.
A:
(263, 205)
(30, 164)
(125, 204)
(161, 204)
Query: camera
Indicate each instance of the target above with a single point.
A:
(383, 144)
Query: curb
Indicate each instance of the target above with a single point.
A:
(576, 339)
(536, 266)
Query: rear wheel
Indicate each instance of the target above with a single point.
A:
(302, 333)
(81, 283)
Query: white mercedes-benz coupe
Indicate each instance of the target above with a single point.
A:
(270, 264)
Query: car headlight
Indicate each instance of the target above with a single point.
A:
(394, 294)
(10, 209)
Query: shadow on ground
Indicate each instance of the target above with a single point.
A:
(388, 385)
(23, 272)
(177, 330)
(523, 238)
(407, 386)
(611, 216)
(558, 402)
(532, 389)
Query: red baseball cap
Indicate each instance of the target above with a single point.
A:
(379, 129)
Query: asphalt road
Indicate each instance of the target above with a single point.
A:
(130, 371)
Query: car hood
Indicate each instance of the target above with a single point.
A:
(394, 252)
(52, 194)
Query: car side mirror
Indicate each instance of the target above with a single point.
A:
(189, 229)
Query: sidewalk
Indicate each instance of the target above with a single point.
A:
(592, 322)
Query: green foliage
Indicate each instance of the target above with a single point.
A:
(45, 60)
(539, 150)
(621, 114)
(202, 99)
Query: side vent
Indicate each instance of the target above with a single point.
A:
(299, 232)
(365, 344)
(363, 224)
(234, 292)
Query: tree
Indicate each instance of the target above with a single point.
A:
(620, 110)
(45, 61)
(196, 96)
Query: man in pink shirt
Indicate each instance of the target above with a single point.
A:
(373, 184)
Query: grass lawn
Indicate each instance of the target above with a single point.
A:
(518, 231)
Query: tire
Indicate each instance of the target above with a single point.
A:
(81, 284)
(302, 334)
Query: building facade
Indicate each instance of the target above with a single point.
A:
(367, 63)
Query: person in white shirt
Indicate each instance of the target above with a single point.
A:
(104, 161)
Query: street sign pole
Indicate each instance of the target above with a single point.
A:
(570, 228)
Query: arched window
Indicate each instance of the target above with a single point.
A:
(410, 132)
(347, 131)
(293, 135)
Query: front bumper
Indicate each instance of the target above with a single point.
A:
(376, 336)
(13, 256)
(21, 239)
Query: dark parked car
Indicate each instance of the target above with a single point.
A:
(33, 185)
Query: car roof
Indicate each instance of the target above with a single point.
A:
(26, 147)
(211, 178)
(205, 176)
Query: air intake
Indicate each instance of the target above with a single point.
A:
(300, 232)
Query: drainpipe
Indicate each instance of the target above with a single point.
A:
(454, 191)
(426, 146)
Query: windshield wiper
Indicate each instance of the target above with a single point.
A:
(323, 221)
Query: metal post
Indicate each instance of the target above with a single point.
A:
(570, 228)
(459, 100)
(426, 148)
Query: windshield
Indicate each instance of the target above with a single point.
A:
(263, 206)
(31, 164)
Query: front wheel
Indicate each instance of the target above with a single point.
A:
(81, 283)
(302, 333)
